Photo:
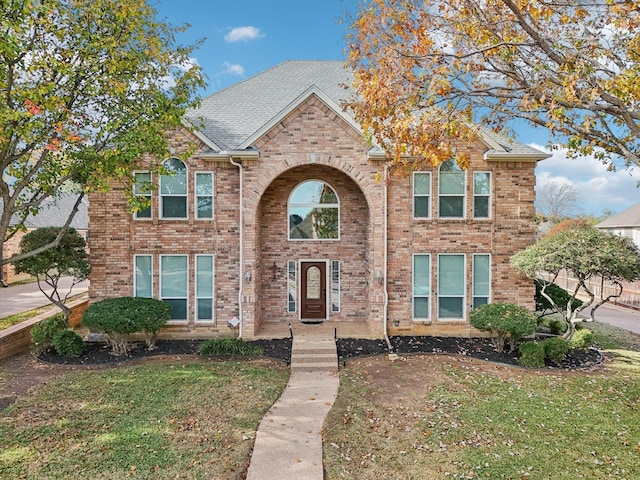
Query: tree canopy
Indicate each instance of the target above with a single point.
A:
(426, 72)
(585, 253)
(87, 89)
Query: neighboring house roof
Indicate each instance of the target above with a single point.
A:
(628, 218)
(55, 211)
(234, 118)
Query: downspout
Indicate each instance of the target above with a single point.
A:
(385, 292)
(241, 256)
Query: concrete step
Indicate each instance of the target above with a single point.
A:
(314, 357)
(314, 367)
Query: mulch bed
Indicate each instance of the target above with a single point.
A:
(280, 349)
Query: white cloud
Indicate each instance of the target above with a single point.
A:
(232, 69)
(599, 188)
(243, 34)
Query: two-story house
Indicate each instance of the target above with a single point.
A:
(278, 216)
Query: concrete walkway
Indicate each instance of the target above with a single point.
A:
(289, 439)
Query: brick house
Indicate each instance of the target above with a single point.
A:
(276, 217)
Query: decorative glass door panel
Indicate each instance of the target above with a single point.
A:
(313, 284)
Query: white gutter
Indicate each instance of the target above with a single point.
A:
(241, 244)
(230, 154)
(385, 293)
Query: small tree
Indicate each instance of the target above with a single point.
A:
(505, 322)
(68, 259)
(584, 253)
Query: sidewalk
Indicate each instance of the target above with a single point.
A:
(22, 298)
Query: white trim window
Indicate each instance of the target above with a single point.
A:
(204, 288)
(142, 190)
(174, 284)
(335, 286)
(292, 284)
(173, 190)
(143, 276)
(451, 190)
(482, 195)
(421, 194)
(421, 286)
(204, 195)
(481, 279)
(451, 286)
(314, 212)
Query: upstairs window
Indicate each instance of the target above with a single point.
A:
(314, 212)
(481, 194)
(173, 190)
(142, 190)
(451, 190)
(204, 195)
(421, 194)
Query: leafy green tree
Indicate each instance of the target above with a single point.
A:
(67, 259)
(427, 71)
(88, 88)
(585, 253)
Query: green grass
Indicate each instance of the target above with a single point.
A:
(471, 420)
(11, 320)
(151, 421)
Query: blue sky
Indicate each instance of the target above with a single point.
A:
(245, 37)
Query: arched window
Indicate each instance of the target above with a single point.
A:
(314, 212)
(173, 190)
(451, 190)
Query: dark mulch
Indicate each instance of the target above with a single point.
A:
(280, 349)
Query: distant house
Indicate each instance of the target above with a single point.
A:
(624, 224)
(53, 213)
(276, 217)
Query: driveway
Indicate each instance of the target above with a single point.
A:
(21, 298)
(622, 317)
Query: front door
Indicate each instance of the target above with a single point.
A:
(313, 291)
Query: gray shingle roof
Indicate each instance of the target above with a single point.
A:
(229, 117)
(627, 218)
(54, 213)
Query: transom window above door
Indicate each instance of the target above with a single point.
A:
(314, 212)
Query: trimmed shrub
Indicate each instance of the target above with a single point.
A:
(531, 355)
(228, 347)
(581, 339)
(505, 322)
(556, 349)
(68, 343)
(558, 294)
(117, 318)
(42, 333)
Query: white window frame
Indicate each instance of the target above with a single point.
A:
(464, 289)
(313, 205)
(422, 195)
(142, 194)
(162, 257)
(182, 195)
(198, 297)
(413, 285)
(473, 277)
(135, 274)
(292, 286)
(487, 195)
(334, 292)
(463, 195)
(196, 197)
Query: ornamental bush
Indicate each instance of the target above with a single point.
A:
(556, 349)
(117, 318)
(228, 347)
(68, 343)
(505, 322)
(582, 339)
(531, 355)
(42, 333)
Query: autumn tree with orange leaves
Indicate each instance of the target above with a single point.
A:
(86, 89)
(429, 73)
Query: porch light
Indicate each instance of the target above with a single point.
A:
(247, 276)
(379, 276)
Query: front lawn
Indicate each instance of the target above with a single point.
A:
(153, 421)
(442, 417)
